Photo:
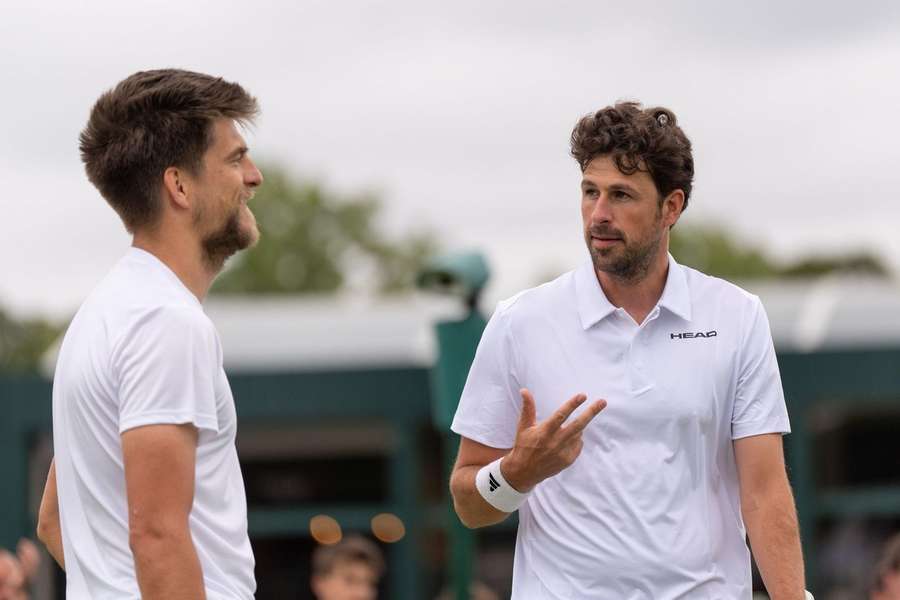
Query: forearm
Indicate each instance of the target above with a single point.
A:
(771, 522)
(49, 530)
(167, 567)
(50, 535)
(473, 510)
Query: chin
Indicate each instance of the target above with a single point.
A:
(249, 233)
(249, 237)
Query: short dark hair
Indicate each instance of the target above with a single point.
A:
(151, 121)
(887, 564)
(638, 139)
(351, 549)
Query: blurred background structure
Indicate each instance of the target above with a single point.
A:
(406, 131)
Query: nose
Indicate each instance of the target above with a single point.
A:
(600, 212)
(253, 177)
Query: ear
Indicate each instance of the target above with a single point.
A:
(672, 206)
(176, 187)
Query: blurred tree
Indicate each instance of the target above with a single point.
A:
(311, 238)
(858, 262)
(23, 342)
(715, 251)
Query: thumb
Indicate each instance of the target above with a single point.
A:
(29, 557)
(529, 413)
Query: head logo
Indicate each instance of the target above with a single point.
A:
(689, 335)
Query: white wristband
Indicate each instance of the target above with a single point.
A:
(495, 489)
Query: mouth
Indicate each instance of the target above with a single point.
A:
(604, 242)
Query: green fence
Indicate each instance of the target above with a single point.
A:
(849, 380)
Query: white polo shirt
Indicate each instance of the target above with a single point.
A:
(651, 508)
(141, 351)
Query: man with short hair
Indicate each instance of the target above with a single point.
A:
(650, 499)
(145, 497)
(348, 570)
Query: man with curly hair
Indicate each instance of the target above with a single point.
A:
(653, 498)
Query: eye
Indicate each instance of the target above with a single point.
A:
(621, 195)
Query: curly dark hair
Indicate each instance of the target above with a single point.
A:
(638, 139)
(150, 121)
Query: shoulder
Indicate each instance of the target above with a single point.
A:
(139, 294)
(707, 289)
(729, 302)
(537, 301)
(151, 326)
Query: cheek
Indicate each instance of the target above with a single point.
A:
(587, 210)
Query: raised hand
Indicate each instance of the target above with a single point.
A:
(544, 449)
(17, 571)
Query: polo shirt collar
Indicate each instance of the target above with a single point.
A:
(676, 296)
(594, 306)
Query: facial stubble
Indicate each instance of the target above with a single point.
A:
(636, 258)
(220, 244)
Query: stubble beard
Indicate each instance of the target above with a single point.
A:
(219, 245)
(631, 263)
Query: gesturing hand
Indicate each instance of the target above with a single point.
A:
(544, 449)
(17, 571)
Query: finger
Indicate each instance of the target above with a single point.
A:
(29, 557)
(579, 423)
(6, 567)
(529, 413)
(562, 413)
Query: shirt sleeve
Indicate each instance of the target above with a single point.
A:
(759, 405)
(489, 407)
(166, 366)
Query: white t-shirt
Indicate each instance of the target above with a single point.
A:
(141, 351)
(651, 508)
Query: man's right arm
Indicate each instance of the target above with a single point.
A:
(473, 510)
(49, 530)
(541, 450)
(159, 480)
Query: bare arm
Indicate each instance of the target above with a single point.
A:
(541, 450)
(159, 480)
(767, 506)
(473, 510)
(49, 530)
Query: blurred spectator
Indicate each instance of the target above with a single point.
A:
(348, 570)
(886, 578)
(17, 571)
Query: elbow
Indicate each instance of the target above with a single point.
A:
(149, 539)
(460, 494)
(466, 519)
(47, 527)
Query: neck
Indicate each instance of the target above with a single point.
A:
(183, 255)
(637, 296)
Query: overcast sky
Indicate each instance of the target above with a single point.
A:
(459, 113)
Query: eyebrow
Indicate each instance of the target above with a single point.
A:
(624, 187)
(586, 183)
